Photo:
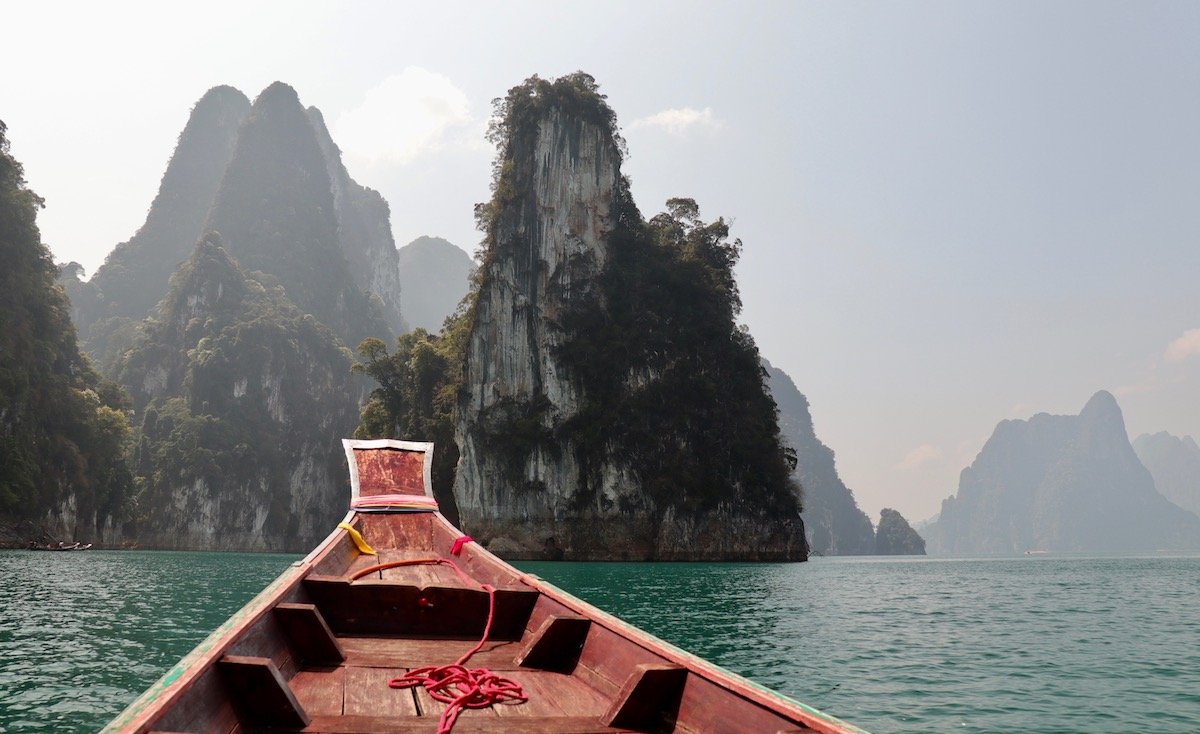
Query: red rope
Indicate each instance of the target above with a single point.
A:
(459, 542)
(456, 685)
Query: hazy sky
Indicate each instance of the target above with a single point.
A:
(953, 213)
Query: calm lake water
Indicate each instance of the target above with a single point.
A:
(1043, 644)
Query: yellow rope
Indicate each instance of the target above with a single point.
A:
(358, 539)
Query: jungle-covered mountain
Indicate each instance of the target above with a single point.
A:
(611, 407)
(1174, 463)
(238, 362)
(434, 277)
(269, 178)
(832, 519)
(243, 399)
(1061, 483)
(63, 429)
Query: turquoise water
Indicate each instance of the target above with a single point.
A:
(83, 634)
(1043, 644)
(1097, 645)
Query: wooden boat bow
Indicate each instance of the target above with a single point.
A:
(315, 651)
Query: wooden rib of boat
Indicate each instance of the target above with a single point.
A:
(316, 649)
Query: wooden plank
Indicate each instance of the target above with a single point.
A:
(260, 692)
(308, 634)
(553, 694)
(320, 691)
(367, 694)
(649, 699)
(557, 643)
(466, 725)
(384, 652)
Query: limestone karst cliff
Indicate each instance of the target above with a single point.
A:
(243, 401)
(277, 214)
(611, 406)
(832, 519)
(1174, 463)
(269, 177)
(1060, 483)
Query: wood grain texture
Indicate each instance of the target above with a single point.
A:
(367, 693)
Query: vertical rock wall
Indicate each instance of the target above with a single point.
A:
(521, 488)
(552, 247)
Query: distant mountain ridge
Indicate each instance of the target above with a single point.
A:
(832, 519)
(1175, 465)
(434, 277)
(1061, 483)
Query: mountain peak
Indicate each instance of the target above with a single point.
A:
(278, 92)
(223, 94)
(1102, 406)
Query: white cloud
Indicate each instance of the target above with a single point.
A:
(1187, 345)
(919, 456)
(408, 114)
(680, 121)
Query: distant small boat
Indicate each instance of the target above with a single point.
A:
(397, 622)
(62, 546)
(1036, 552)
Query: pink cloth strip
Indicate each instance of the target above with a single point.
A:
(410, 500)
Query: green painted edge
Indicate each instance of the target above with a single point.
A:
(188, 662)
(617, 622)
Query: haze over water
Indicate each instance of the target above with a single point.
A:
(912, 645)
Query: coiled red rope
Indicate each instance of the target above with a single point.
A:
(456, 685)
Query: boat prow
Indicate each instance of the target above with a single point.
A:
(346, 641)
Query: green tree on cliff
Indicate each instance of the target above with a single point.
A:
(418, 386)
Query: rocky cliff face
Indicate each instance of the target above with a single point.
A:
(1060, 483)
(558, 245)
(533, 479)
(244, 401)
(895, 537)
(832, 519)
(434, 277)
(1175, 465)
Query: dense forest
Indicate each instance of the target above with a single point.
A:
(63, 429)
